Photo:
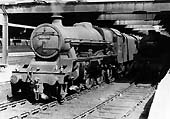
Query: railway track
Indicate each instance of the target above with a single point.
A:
(109, 101)
(119, 106)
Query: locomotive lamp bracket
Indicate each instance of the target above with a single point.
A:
(62, 67)
(37, 69)
(38, 88)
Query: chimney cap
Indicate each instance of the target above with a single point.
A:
(57, 16)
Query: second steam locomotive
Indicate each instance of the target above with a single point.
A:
(71, 58)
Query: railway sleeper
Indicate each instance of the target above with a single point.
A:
(103, 108)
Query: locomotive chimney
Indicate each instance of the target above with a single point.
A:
(57, 20)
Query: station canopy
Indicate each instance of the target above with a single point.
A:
(125, 15)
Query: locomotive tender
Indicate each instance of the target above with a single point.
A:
(152, 60)
(69, 58)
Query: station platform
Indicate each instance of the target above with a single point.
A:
(17, 48)
(15, 54)
(15, 51)
(160, 107)
(14, 59)
(6, 72)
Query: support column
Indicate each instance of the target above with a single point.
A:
(5, 39)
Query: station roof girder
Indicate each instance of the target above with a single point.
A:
(127, 16)
(136, 22)
(143, 12)
(104, 7)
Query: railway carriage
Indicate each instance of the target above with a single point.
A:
(71, 58)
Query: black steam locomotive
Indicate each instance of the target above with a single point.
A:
(71, 58)
(153, 58)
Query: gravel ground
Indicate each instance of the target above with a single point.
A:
(4, 76)
(76, 106)
(90, 99)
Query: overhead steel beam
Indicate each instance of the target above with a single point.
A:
(107, 7)
(21, 26)
(139, 26)
(130, 6)
(136, 22)
(122, 16)
(147, 29)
